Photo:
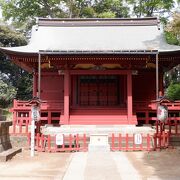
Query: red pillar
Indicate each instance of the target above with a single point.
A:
(34, 85)
(129, 97)
(66, 96)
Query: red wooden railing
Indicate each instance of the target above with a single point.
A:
(22, 115)
(127, 143)
(119, 142)
(153, 105)
(172, 126)
(161, 140)
(47, 143)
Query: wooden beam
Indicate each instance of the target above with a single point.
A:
(99, 72)
(23, 65)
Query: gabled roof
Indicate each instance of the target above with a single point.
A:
(65, 36)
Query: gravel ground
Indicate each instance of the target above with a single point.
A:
(44, 166)
(159, 165)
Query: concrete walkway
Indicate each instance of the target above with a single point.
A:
(101, 166)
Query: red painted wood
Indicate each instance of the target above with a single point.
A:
(97, 72)
(126, 143)
(52, 87)
(144, 86)
(53, 91)
(129, 97)
(66, 96)
(71, 143)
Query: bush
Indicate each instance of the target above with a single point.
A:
(173, 91)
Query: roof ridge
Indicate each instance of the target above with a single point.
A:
(148, 21)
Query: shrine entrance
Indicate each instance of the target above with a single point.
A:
(98, 90)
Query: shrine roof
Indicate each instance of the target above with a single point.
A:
(67, 36)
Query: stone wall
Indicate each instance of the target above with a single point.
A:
(5, 143)
(2, 117)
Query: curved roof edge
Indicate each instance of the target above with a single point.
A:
(92, 36)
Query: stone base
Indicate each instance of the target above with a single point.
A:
(8, 154)
(99, 142)
(99, 148)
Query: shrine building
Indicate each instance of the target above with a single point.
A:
(95, 71)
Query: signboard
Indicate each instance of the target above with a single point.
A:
(137, 139)
(59, 139)
(35, 113)
(162, 113)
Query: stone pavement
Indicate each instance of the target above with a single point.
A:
(101, 166)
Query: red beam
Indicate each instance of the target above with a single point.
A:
(103, 72)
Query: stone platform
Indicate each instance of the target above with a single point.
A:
(96, 129)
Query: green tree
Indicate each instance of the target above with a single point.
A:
(113, 8)
(172, 30)
(173, 91)
(148, 8)
(20, 11)
(14, 82)
(7, 91)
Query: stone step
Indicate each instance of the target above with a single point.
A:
(91, 129)
(8, 154)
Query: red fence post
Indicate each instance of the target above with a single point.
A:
(70, 142)
(77, 142)
(49, 143)
(155, 141)
(20, 126)
(84, 143)
(160, 140)
(64, 138)
(141, 145)
(14, 122)
(176, 126)
(112, 142)
(27, 125)
(168, 139)
(169, 123)
(157, 127)
(127, 139)
(163, 139)
(148, 142)
(120, 142)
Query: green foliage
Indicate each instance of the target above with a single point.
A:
(110, 8)
(171, 38)
(107, 15)
(150, 8)
(173, 30)
(10, 38)
(173, 91)
(14, 82)
(7, 93)
(24, 11)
